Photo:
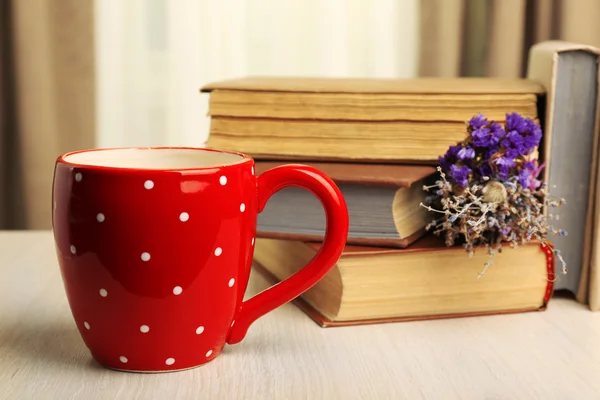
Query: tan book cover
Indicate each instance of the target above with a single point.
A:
(380, 85)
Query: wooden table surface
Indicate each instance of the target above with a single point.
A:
(543, 355)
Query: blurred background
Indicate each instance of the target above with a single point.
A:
(81, 73)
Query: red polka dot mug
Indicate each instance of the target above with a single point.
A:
(155, 249)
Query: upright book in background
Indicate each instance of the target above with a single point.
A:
(367, 120)
(383, 205)
(569, 73)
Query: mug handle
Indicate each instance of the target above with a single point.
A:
(336, 233)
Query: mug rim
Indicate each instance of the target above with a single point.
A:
(244, 158)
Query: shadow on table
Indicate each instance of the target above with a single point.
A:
(56, 345)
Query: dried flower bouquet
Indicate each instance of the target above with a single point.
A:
(489, 193)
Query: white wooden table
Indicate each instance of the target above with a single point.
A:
(549, 355)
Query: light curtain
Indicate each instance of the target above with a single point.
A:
(50, 101)
(154, 55)
(493, 37)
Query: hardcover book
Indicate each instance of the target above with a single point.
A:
(569, 73)
(382, 200)
(367, 120)
(425, 281)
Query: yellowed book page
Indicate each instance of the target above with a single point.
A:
(409, 283)
(282, 258)
(380, 131)
(442, 282)
(366, 107)
(332, 149)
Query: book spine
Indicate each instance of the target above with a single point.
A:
(548, 248)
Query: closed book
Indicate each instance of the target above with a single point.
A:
(373, 99)
(382, 200)
(337, 140)
(367, 120)
(569, 73)
(425, 281)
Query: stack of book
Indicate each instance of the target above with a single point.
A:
(379, 140)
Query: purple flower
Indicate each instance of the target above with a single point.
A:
(497, 132)
(466, 153)
(533, 135)
(529, 143)
(443, 162)
(450, 156)
(528, 174)
(533, 127)
(514, 138)
(514, 144)
(503, 164)
(481, 137)
(525, 177)
(453, 150)
(488, 136)
(496, 151)
(489, 153)
(525, 136)
(502, 172)
(460, 174)
(484, 170)
(478, 121)
(505, 161)
(512, 153)
(515, 122)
